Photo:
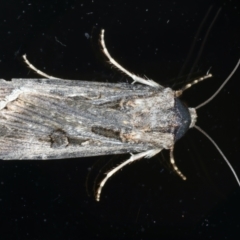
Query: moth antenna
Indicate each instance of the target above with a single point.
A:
(179, 92)
(194, 42)
(203, 43)
(220, 88)
(112, 61)
(221, 153)
(208, 71)
(37, 70)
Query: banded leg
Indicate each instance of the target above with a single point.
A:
(172, 161)
(179, 92)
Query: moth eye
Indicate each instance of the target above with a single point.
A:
(183, 120)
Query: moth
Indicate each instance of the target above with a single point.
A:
(53, 118)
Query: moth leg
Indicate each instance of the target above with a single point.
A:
(179, 92)
(172, 161)
(135, 78)
(37, 70)
(146, 154)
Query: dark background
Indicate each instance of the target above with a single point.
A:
(146, 200)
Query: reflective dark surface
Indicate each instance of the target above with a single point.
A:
(146, 200)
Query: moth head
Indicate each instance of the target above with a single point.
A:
(193, 116)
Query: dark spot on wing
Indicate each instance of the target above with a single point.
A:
(109, 133)
(59, 139)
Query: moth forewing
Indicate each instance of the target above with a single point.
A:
(65, 118)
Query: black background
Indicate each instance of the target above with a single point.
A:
(146, 200)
